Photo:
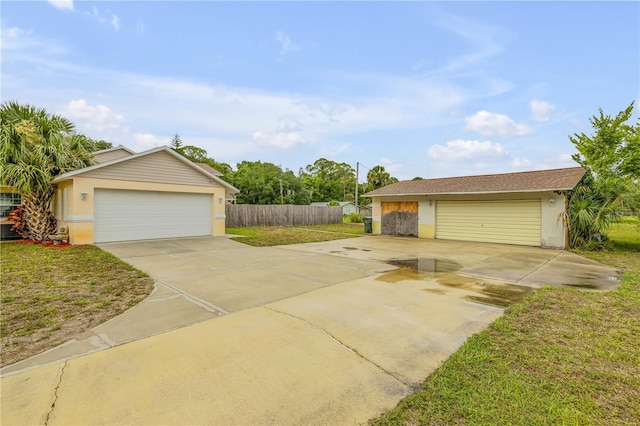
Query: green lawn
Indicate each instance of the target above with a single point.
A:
(562, 356)
(262, 236)
(51, 295)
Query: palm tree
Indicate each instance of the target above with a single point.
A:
(379, 177)
(34, 148)
(594, 206)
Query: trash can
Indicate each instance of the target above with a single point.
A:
(368, 225)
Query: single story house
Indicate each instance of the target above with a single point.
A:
(347, 206)
(127, 196)
(523, 208)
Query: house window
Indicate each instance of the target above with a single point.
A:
(8, 203)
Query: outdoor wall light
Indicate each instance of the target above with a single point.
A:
(552, 201)
(84, 196)
(430, 202)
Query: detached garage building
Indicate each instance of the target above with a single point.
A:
(513, 208)
(153, 194)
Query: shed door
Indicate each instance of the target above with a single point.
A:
(121, 215)
(506, 222)
(400, 218)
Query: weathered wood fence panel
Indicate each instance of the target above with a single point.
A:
(238, 215)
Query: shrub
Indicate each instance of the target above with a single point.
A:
(354, 218)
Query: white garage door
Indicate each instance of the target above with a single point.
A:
(507, 222)
(141, 215)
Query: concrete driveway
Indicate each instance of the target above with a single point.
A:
(333, 332)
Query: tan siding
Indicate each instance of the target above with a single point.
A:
(160, 167)
(111, 155)
(511, 222)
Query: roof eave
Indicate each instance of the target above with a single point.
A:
(407, 194)
(65, 176)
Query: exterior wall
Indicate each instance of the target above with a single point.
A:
(78, 213)
(427, 218)
(113, 154)
(348, 208)
(160, 167)
(554, 233)
(553, 230)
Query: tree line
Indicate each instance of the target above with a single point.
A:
(267, 183)
(36, 146)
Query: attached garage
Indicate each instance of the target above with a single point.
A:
(525, 208)
(122, 215)
(151, 195)
(507, 222)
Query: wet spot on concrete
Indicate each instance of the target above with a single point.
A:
(416, 269)
(495, 294)
(443, 272)
(355, 248)
(435, 290)
(589, 286)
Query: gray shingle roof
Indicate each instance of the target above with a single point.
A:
(541, 180)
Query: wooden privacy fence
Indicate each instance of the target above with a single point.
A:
(238, 215)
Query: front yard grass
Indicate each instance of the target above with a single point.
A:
(562, 356)
(50, 295)
(262, 236)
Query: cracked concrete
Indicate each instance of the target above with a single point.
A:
(55, 393)
(338, 347)
(354, 350)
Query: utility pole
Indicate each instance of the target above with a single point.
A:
(357, 172)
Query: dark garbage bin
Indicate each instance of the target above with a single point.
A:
(368, 225)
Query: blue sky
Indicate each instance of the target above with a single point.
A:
(429, 89)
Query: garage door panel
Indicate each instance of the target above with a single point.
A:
(121, 215)
(509, 222)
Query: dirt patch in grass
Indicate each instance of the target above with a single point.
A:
(263, 236)
(52, 294)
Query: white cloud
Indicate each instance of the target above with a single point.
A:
(491, 124)
(96, 119)
(106, 17)
(286, 45)
(140, 26)
(541, 110)
(282, 140)
(62, 4)
(115, 22)
(146, 141)
(392, 166)
(521, 163)
(288, 135)
(466, 150)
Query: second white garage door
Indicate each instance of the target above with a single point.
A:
(507, 222)
(121, 215)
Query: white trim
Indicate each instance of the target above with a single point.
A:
(189, 163)
(115, 148)
(220, 216)
(79, 219)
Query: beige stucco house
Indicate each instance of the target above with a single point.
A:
(152, 194)
(512, 208)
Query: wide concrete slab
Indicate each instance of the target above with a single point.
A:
(398, 326)
(323, 333)
(253, 367)
(234, 276)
